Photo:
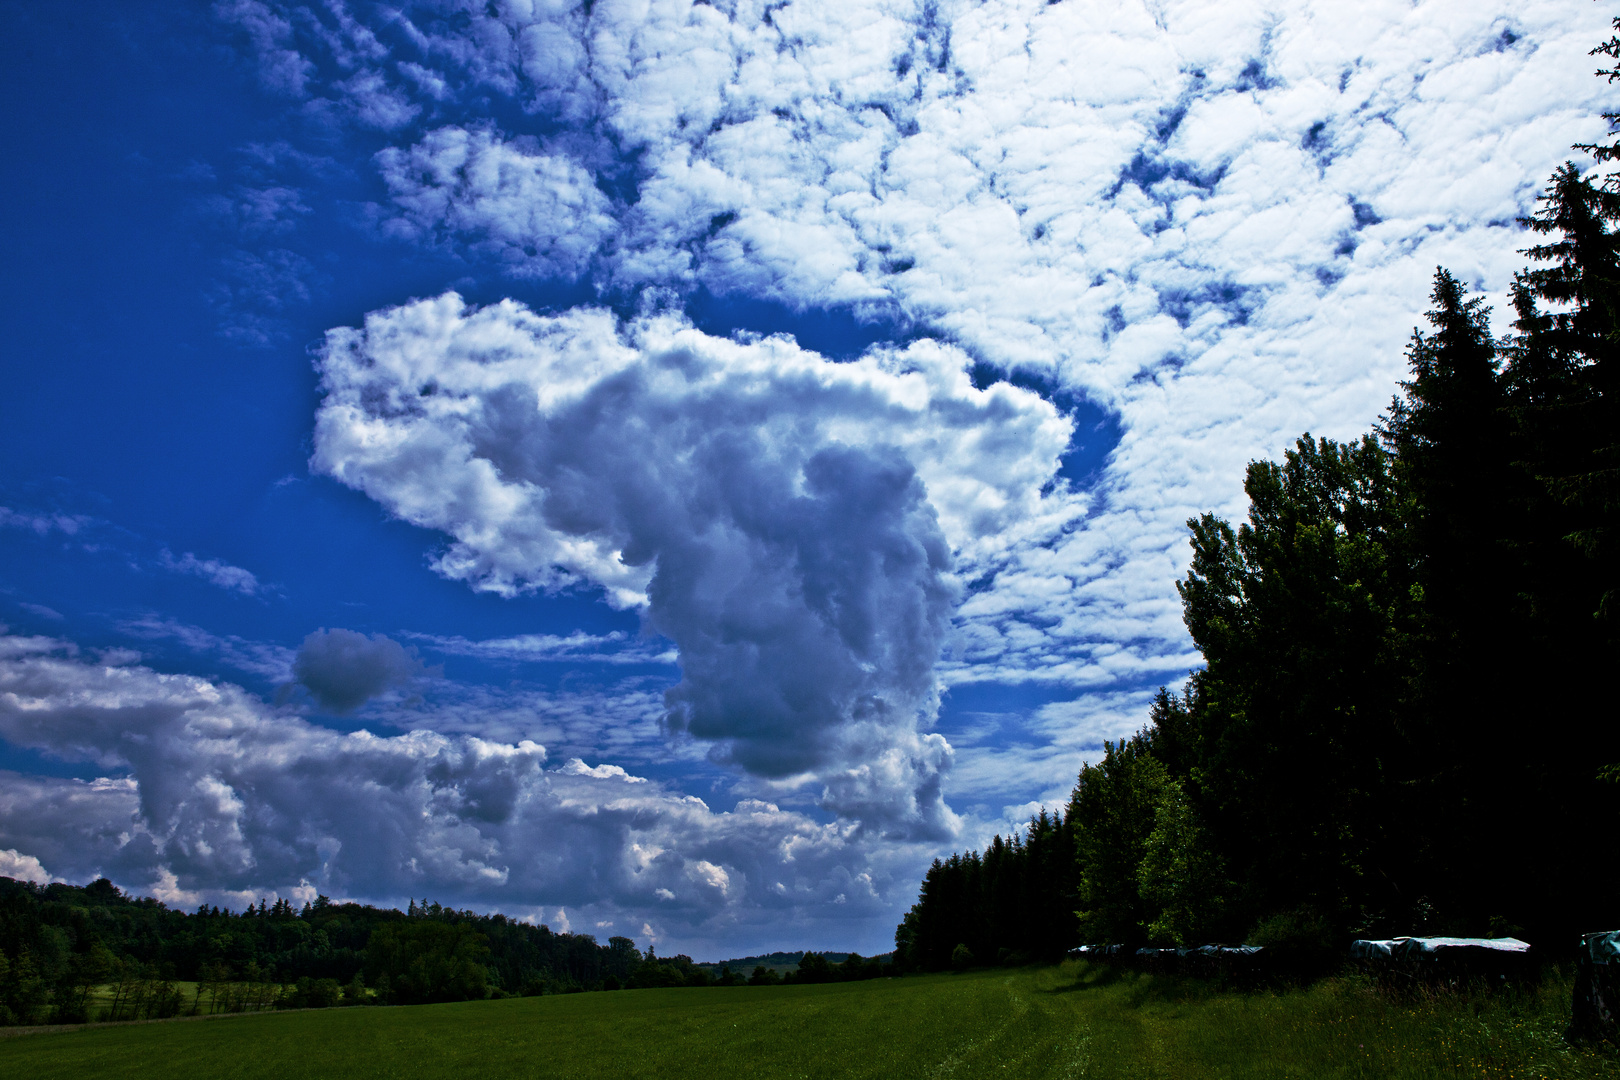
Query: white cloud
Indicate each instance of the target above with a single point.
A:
(789, 523)
(43, 524)
(539, 213)
(620, 720)
(282, 68)
(256, 212)
(96, 536)
(264, 659)
(1215, 220)
(213, 571)
(224, 797)
(616, 647)
(19, 867)
(376, 104)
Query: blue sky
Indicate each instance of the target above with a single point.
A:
(400, 403)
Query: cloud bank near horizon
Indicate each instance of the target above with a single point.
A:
(214, 796)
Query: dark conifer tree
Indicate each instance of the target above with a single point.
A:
(1567, 377)
(1449, 434)
(1011, 904)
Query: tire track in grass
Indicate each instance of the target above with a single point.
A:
(1037, 1038)
(1073, 1054)
(946, 1067)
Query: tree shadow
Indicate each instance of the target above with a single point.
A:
(1142, 987)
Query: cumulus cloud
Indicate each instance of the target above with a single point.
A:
(789, 523)
(19, 867)
(214, 795)
(344, 669)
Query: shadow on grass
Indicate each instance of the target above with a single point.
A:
(1137, 988)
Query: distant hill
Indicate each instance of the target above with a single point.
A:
(779, 962)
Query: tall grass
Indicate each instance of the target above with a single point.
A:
(1068, 1022)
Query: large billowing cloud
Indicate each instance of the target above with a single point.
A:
(214, 795)
(792, 524)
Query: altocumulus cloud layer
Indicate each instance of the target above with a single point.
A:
(1214, 222)
(222, 794)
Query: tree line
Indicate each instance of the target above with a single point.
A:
(75, 953)
(1403, 724)
(70, 953)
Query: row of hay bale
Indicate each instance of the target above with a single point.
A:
(1443, 959)
(1425, 959)
(1207, 961)
(1419, 960)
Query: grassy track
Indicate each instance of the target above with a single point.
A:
(1067, 1022)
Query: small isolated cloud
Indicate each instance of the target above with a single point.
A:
(344, 669)
(96, 536)
(213, 571)
(578, 647)
(42, 524)
(19, 867)
(256, 212)
(376, 104)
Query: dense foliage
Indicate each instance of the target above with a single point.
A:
(62, 945)
(59, 942)
(1403, 723)
(1010, 904)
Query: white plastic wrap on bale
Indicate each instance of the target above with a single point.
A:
(1439, 946)
(1373, 949)
(1430, 947)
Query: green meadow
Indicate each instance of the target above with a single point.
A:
(1069, 1021)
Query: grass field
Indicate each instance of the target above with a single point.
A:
(1073, 1021)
